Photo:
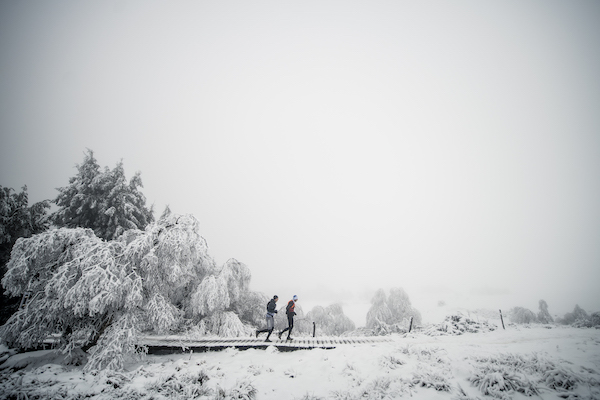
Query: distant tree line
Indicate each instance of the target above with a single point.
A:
(578, 317)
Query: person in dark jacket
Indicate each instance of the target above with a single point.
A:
(271, 311)
(289, 310)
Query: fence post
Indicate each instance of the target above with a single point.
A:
(314, 328)
(410, 327)
(502, 319)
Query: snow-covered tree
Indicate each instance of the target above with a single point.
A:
(211, 296)
(251, 307)
(221, 296)
(400, 306)
(390, 313)
(224, 323)
(75, 286)
(379, 314)
(17, 219)
(101, 295)
(520, 315)
(329, 320)
(543, 315)
(578, 317)
(595, 319)
(102, 200)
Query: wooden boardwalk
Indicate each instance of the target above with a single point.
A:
(177, 344)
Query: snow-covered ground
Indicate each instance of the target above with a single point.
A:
(539, 361)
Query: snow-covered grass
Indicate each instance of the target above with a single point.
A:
(519, 362)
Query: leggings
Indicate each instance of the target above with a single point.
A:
(290, 325)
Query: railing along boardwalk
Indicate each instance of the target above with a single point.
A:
(178, 344)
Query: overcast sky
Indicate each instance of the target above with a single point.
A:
(448, 148)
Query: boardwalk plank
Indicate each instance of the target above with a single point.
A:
(175, 344)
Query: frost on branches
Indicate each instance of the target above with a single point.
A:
(102, 200)
(101, 295)
(329, 321)
(223, 296)
(457, 324)
(391, 313)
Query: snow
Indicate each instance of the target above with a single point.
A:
(417, 365)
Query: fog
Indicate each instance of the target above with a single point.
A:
(451, 149)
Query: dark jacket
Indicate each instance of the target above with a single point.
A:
(271, 305)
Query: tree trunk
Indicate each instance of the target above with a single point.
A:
(105, 324)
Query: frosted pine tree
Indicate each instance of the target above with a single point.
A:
(79, 202)
(102, 200)
(124, 205)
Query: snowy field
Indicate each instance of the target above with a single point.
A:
(519, 362)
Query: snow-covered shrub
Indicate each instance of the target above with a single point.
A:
(520, 315)
(462, 395)
(181, 386)
(355, 375)
(428, 356)
(242, 390)
(561, 379)
(384, 387)
(500, 382)
(342, 395)
(431, 379)
(391, 313)
(505, 373)
(578, 318)
(457, 324)
(392, 362)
